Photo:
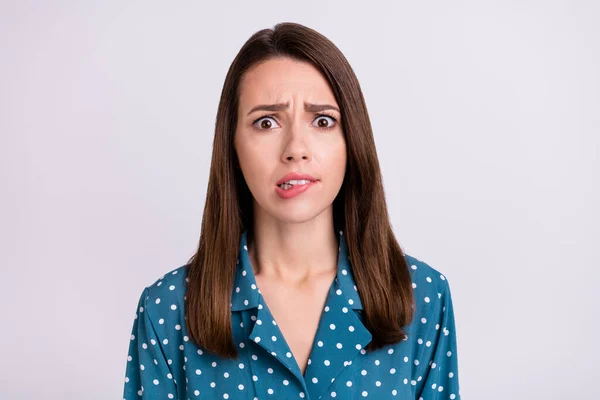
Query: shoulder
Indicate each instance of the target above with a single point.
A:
(431, 291)
(166, 293)
(425, 278)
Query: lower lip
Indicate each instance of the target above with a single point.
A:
(294, 191)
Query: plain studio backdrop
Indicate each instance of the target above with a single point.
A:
(486, 116)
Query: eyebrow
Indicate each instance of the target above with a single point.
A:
(309, 107)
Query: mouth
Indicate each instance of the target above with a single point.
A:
(295, 182)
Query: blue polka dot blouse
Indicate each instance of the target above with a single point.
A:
(164, 364)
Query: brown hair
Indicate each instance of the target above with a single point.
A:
(378, 264)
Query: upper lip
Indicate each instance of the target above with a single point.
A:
(295, 176)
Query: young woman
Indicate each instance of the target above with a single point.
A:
(298, 289)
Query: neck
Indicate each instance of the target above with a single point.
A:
(293, 253)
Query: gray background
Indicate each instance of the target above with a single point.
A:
(486, 117)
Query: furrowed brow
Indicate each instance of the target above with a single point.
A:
(309, 107)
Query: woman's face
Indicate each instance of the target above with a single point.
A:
(291, 138)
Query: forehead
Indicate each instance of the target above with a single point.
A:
(283, 79)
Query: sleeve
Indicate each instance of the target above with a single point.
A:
(147, 375)
(436, 375)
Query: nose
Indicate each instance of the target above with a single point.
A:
(296, 147)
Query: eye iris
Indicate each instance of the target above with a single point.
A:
(266, 124)
(323, 123)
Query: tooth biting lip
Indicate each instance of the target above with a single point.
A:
(295, 176)
(292, 190)
(294, 182)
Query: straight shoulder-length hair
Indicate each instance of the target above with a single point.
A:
(378, 263)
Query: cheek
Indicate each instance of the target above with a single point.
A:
(254, 167)
(337, 159)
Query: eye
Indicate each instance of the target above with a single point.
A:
(265, 125)
(323, 117)
(324, 122)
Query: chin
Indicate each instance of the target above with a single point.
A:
(298, 213)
